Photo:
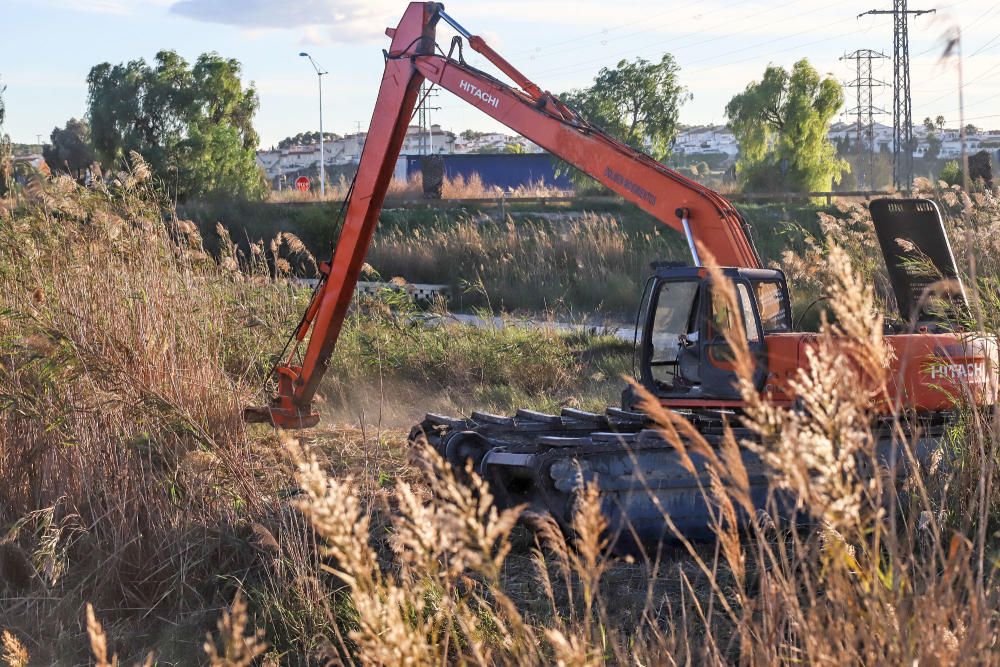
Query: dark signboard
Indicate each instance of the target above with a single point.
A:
(918, 255)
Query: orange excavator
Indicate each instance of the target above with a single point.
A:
(681, 353)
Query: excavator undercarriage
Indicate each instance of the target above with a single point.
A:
(544, 461)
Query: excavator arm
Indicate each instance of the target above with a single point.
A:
(704, 216)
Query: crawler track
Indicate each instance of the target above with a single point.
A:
(543, 461)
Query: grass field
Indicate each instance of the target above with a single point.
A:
(533, 258)
(126, 477)
(128, 481)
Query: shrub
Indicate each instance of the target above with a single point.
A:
(951, 173)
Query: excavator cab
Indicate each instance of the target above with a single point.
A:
(681, 348)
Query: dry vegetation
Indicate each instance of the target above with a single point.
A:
(127, 478)
(538, 266)
(457, 187)
(972, 222)
(128, 482)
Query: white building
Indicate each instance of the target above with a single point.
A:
(436, 140)
(950, 138)
(347, 150)
(495, 142)
(707, 139)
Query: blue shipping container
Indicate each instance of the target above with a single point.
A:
(503, 170)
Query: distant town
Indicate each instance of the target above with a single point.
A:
(713, 145)
(282, 164)
(716, 139)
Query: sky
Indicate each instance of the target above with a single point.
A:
(49, 46)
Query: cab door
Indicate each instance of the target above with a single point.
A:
(717, 368)
(669, 362)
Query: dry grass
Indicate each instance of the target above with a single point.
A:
(127, 478)
(411, 189)
(126, 358)
(972, 223)
(128, 481)
(534, 265)
(885, 577)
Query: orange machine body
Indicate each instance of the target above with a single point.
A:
(927, 372)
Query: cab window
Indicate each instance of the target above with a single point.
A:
(773, 308)
(675, 316)
(725, 318)
(749, 321)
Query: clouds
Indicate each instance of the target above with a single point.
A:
(322, 20)
(116, 7)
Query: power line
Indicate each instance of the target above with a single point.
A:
(671, 43)
(604, 32)
(964, 85)
(728, 63)
(864, 83)
(902, 105)
(994, 115)
(975, 21)
(983, 47)
(939, 46)
(978, 102)
(579, 42)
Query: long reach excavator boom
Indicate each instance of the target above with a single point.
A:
(704, 216)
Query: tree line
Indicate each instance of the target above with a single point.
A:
(781, 122)
(306, 139)
(193, 123)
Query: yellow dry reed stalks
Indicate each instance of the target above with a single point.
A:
(239, 649)
(14, 652)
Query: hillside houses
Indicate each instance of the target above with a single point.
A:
(278, 163)
(718, 139)
(692, 143)
(495, 142)
(707, 139)
(347, 150)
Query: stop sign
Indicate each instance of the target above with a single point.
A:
(302, 183)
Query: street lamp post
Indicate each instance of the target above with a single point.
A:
(322, 154)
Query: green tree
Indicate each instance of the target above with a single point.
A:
(194, 122)
(638, 102)
(70, 151)
(933, 147)
(933, 142)
(782, 123)
(951, 173)
(469, 135)
(306, 139)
